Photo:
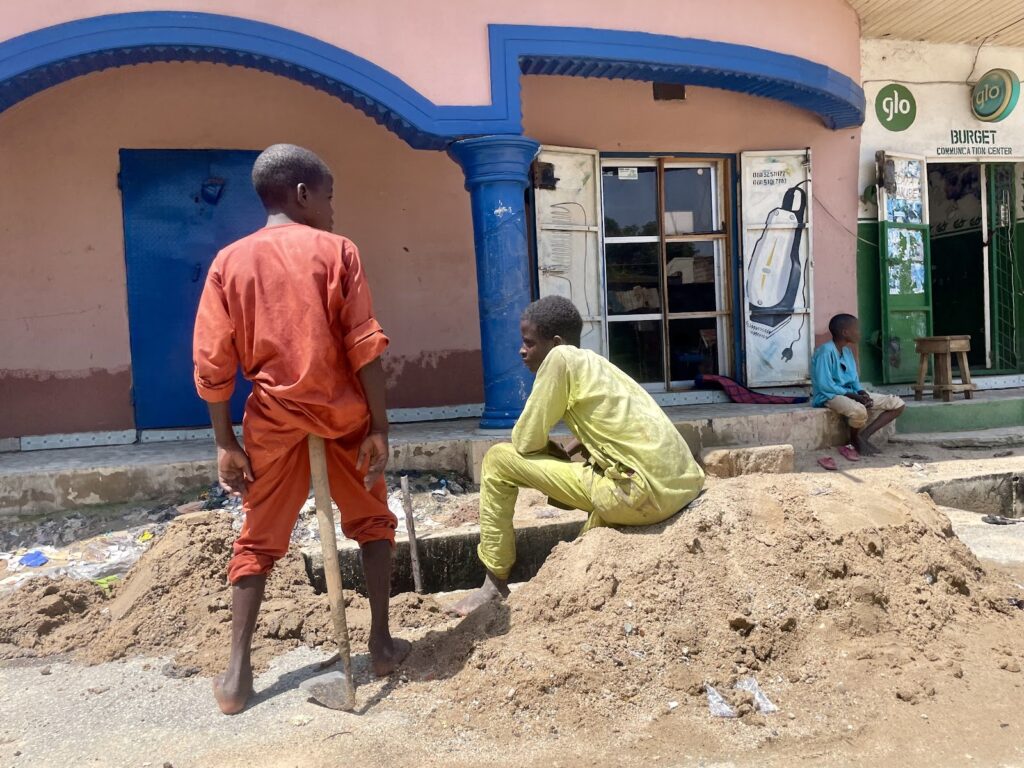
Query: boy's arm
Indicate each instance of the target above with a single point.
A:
(365, 342)
(213, 344)
(216, 362)
(857, 386)
(374, 450)
(544, 408)
(233, 469)
(824, 381)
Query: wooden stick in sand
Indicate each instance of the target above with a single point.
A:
(410, 524)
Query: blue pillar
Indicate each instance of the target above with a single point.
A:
(497, 172)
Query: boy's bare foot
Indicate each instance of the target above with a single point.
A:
(866, 448)
(385, 657)
(492, 589)
(232, 692)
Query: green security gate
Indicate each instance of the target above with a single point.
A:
(1001, 255)
(905, 249)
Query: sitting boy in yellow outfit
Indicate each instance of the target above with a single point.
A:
(638, 470)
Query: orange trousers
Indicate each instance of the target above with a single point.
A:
(273, 501)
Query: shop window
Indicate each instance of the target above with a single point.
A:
(665, 249)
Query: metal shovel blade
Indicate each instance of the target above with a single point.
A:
(332, 690)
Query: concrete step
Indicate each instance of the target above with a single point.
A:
(49, 481)
(977, 439)
(988, 410)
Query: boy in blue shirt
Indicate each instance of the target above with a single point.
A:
(835, 385)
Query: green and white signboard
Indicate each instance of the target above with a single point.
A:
(895, 107)
(995, 95)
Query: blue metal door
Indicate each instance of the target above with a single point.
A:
(180, 208)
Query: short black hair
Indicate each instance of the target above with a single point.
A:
(281, 168)
(840, 323)
(555, 316)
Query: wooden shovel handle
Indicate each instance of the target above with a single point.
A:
(332, 569)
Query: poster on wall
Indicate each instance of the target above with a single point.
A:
(904, 205)
(904, 214)
(906, 261)
(777, 281)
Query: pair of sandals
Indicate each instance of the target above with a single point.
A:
(847, 451)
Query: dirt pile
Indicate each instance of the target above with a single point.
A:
(176, 601)
(817, 591)
(46, 616)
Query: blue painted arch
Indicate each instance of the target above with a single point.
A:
(46, 57)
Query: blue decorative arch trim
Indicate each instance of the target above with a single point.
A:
(578, 52)
(44, 58)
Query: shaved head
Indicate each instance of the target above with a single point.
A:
(281, 168)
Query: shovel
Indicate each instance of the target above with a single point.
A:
(335, 690)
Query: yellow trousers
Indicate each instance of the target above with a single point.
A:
(611, 498)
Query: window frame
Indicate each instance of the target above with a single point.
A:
(722, 239)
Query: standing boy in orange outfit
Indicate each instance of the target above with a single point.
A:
(290, 304)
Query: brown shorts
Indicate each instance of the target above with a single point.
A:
(857, 415)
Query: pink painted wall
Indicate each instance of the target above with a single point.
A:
(63, 308)
(64, 348)
(443, 45)
(621, 116)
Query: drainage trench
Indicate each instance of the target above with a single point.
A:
(997, 494)
(448, 560)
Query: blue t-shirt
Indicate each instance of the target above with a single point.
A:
(833, 374)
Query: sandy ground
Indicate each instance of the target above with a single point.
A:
(61, 712)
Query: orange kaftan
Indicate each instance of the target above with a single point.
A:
(290, 304)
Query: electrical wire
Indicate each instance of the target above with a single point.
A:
(843, 226)
(984, 42)
(913, 82)
(967, 80)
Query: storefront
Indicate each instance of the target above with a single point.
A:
(942, 210)
(655, 166)
(675, 285)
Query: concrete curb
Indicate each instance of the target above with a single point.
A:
(46, 482)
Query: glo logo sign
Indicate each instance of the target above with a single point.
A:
(995, 95)
(895, 107)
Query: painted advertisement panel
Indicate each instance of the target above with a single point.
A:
(777, 281)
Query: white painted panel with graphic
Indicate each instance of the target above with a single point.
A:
(777, 264)
(568, 215)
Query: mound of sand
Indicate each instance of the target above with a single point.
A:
(855, 608)
(836, 603)
(176, 601)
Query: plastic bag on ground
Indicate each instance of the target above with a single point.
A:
(397, 509)
(717, 706)
(761, 702)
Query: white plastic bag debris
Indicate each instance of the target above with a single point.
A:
(398, 510)
(442, 492)
(717, 706)
(761, 702)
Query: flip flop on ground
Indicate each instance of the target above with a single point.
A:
(849, 453)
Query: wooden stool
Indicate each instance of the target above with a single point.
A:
(943, 348)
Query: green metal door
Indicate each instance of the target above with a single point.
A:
(1002, 288)
(905, 249)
